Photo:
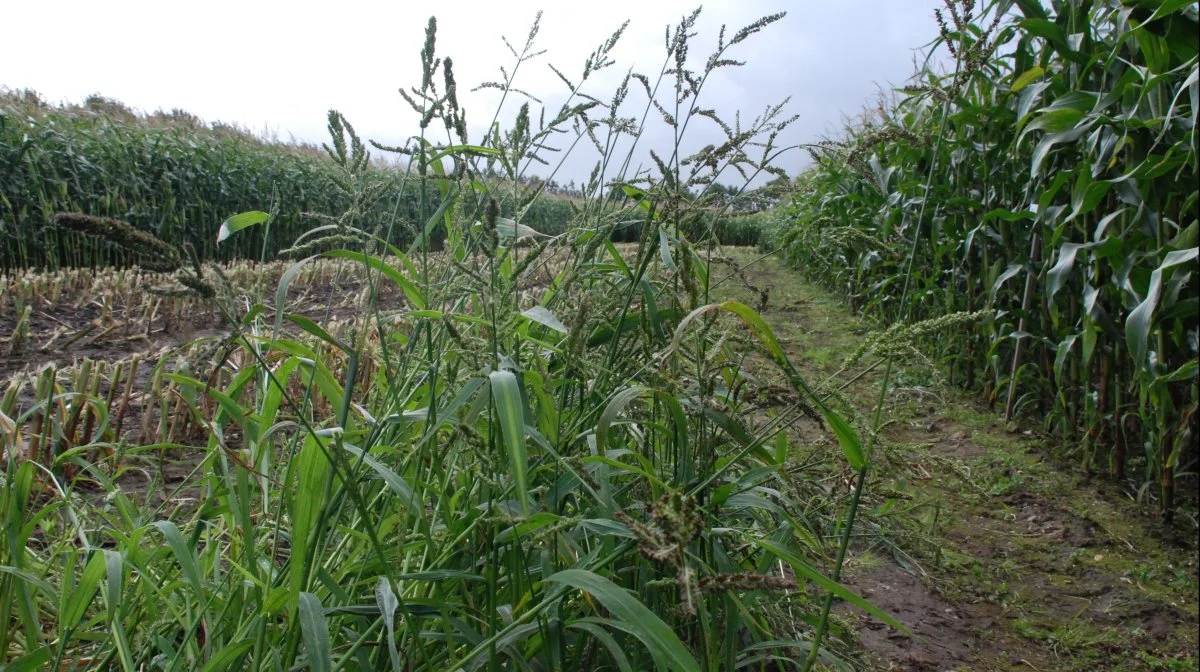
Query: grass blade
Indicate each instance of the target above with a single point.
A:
(506, 395)
(315, 632)
(662, 642)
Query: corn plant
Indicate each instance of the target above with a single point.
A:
(1050, 178)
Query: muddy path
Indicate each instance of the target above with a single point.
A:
(980, 536)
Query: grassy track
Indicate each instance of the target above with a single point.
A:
(997, 558)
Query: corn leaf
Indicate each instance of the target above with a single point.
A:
(240, 221)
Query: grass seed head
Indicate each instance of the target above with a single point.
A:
(152, 253)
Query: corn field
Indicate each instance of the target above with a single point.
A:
(177, 178)
(1050, 179)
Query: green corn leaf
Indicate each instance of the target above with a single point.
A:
(1051, 32)
(1188, 237)
(1008, 273)
(1185, 372)
(664, 645)
(1056, 121)
(1166, 8)
(1087, 193)
(1026, 78)
(1047, 143)
(240, 221)
(1154, 50)
(1141, 318)
(1060, 358)
(1027, 99)
(1058, 275)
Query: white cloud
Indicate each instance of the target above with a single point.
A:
(280, 66)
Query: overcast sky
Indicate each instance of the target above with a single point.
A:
(279, 66)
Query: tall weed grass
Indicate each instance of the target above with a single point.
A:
(508, 473)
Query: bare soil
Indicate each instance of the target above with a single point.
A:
(115, 328)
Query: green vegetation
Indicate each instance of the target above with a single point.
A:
(177, 178)
(390, 456)
(965, 516)
(275, 408)
(1050, 180)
